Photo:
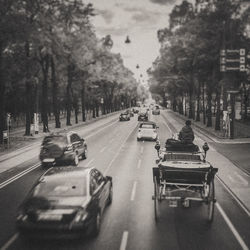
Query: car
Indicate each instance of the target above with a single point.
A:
(136, 110)
(143, 116)
(65, 203)
(147, 131)
(61, 148)
(130, 112)
(156, 110)
(124, 117)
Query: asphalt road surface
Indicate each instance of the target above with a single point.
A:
(129, 222)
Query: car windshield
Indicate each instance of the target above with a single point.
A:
(62, 187)
(148, 126)
(54, 139)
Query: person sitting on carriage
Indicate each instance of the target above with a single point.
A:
(186, 134)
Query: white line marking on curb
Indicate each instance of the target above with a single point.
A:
(233, 195)
(139, 163)
(142, 150)
(103, 149)
(243, 180)
(133, 191)
(89, 162)
(124, 240)
(232, 228)
(9, 242)
(118, 152)
(19, 175)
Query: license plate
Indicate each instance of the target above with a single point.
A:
(50, 217)
(49, 160)
(173, 203)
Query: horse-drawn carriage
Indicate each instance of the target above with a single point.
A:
(183, 176)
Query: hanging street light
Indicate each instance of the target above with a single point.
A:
(127, 40)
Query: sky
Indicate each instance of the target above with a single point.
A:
(140, 20)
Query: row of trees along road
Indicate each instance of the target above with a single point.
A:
(188, 66)
(51, 60)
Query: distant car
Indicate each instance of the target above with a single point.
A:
(156, 110)
(62, 148)
(136, 110)
(143, 116)
(147, 131)
(66, 202)
(124, 117)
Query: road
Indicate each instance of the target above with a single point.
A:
(129, 222)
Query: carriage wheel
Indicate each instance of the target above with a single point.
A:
(210, 199)
(156, 191)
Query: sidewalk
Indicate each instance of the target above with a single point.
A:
(20, 143)
(233, 178)
(210, 132)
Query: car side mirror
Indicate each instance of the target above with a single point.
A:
(157, 161)
(205, 147)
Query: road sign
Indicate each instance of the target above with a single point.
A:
(5, 134)
(233, 60)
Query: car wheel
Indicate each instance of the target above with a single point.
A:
(138, 139)
(85, 154)
(76, 160)
(96, 225)
(110, 198)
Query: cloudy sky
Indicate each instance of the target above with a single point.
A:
(140, 20)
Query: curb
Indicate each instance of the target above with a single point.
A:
(37, 140)
(210, 135)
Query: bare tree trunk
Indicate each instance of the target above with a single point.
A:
(27, 90)
(45, 69)
(68, 96)
(209, 109)
(83, 103)
(56, 110)
(2, 98)
(218, 112)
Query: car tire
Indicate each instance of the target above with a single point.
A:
(138, 139)
(85, 154)
(110, 198)
(96, 225)
(76, 160)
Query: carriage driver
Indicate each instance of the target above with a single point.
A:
(186, 134)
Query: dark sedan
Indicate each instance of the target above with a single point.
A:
(143, 117)
(124, 117)
(66, 202)
(61, 148)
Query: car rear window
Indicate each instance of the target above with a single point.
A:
(63, 187)
(152, 126)
(54, 139)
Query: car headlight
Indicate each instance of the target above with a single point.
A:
(81, 216)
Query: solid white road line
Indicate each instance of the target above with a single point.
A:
(89, 162)
(124, 240)
(168, 127)
(9, 242)
(19, 175)
(242, 179)
(133, 191)
(103, 149)
(232, 228)
(142, 150)
(139, 163)
(117, 152)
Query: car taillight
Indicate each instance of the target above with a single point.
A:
(69, 148)
(80, 216)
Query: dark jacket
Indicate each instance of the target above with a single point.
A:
(186, 134)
